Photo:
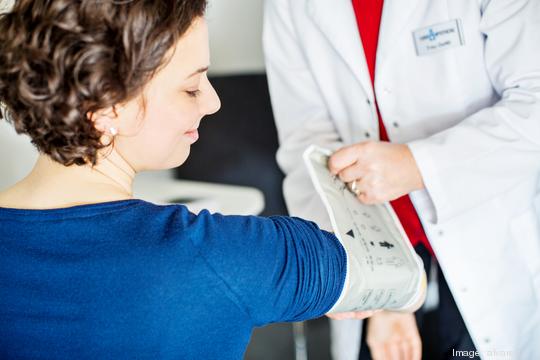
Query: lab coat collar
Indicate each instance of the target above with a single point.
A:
(336, 20)
(395, 17)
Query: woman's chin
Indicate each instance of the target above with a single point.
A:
(166, 165)
(180, 160)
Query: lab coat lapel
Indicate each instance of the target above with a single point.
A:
(336, 20)
(397, 14)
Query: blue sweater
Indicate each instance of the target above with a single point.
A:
(130, 279)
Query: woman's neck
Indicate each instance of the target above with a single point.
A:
(53, 185)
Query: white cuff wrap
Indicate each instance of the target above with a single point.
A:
(383, 270)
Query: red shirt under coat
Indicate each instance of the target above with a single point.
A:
(368, 16)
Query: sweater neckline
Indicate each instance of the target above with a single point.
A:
(70, 211)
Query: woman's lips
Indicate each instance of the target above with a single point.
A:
(193, 135)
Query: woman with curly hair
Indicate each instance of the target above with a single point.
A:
(106, 89)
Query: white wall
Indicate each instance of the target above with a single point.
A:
(17, 155)
(235, 36)
(5, 5)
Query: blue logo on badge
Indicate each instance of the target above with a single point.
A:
(432, 35)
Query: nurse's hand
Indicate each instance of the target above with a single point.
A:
(377, 171)
(393, 336)
(358, 315)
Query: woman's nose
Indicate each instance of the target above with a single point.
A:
(212, 103)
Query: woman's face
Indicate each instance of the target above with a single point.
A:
(159, 135)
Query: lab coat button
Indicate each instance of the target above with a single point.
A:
(395, 124)
(368, 101)
(367, 134)
(440, 233)
(487, 340)
(464, 289)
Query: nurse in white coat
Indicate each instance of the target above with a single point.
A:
(467, 105)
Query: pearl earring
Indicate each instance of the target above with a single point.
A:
(113, 131)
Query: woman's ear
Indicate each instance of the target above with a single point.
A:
(105, 121)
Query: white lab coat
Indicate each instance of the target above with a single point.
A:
(471, 116)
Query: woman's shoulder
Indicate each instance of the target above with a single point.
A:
(12, 198)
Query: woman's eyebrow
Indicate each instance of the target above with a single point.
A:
(201, 70)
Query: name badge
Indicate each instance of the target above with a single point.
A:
(438, 37)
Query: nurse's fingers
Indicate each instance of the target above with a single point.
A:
(394, 350)
(358, 315)
(342, 159)
(365, 192)
(379, 352)
(361, 315)
(416, 345)
(351, 173)
(407, 350)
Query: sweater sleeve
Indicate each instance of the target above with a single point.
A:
(278, 269)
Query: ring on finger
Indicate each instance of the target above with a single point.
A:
(353, 186)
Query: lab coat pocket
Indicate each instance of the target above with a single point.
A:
(525, 233)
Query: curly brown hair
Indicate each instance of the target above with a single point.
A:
(63, 59)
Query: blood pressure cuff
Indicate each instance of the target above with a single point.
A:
(383, 270)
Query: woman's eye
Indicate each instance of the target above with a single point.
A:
(193, 93)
